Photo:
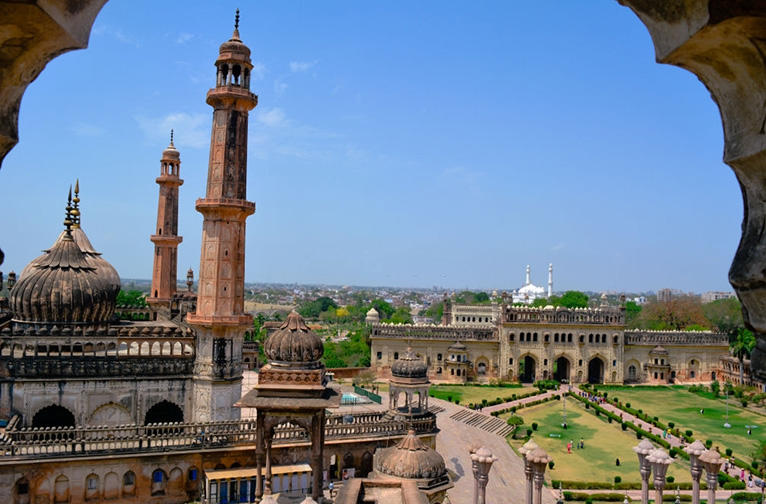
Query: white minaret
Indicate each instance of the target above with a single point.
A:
(550, 280)
(527, 282)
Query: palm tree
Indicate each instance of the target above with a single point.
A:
(741, 348)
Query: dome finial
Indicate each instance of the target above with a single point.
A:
(171, 138)
(68, 220)
(235, 36)
(76, 209)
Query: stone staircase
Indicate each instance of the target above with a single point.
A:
(488, 423)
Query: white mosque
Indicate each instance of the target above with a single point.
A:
(528, 292)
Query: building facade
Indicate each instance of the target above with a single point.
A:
(507, 342)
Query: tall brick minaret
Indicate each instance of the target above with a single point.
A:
(220, 320)
(166, 239)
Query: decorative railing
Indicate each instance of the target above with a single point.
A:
(94, 367)
(669, 338)
(416, 331)
(25, 442)
(560, 315)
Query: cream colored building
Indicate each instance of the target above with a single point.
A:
(578, 345)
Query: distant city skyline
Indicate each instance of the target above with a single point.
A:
(450, 146)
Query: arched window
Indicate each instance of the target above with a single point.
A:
(61, 490)
(159, 481)
(579, 363)
(129, 483)
(91, 488)
(511, 337)
(614, 363)
(569, 338)
(692, 374)
(396, 355)
(164, 412)
(545, 362)
(439, 357)
(21, 491)
(53, 416)
(632, 372)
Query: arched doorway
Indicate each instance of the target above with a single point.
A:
(596, 370)
(53, 416)
(561, 369)
(528, 370)
(164, 412)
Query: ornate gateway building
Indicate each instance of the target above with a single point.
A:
(507, 342)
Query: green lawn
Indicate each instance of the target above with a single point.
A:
(683, 407)
(604, 442)
(467, 394)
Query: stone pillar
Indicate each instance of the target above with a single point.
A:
(695, 450)
(528, 447)
(712, 462)
(644, 448)
(481, 463)
(317, 445)
(259, 455)
(538, 459)
(660, 462)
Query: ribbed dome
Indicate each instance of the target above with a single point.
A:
(294, 344)
(91, 256)
(411, 459)
(409, 366)
(235, 44)
(62, 287)
(171, 152)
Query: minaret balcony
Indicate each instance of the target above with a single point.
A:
(227, 206)
(166, 239)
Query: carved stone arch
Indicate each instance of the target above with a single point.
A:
(366, 464)
(53, 415)
(163, 411)
(111, 486)
(176, 481)
(110, 414)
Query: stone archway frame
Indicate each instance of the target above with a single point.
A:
(523, 358)
(723, 43)
(570, 363)
(603, 367)
(720, 41)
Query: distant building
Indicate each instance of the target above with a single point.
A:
(502, 341)
(529, 292)
(664, 295)
(710, 296)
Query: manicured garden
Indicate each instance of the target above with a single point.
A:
(678, 405)
(475, 394)
(604, 443)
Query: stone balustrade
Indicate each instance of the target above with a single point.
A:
(26, 442)
(561, 315)
(418, 331)
(670, 338)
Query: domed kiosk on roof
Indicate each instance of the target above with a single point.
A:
(373, 317)
(409, 375)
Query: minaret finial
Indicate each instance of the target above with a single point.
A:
(235, 35)
(171, 138)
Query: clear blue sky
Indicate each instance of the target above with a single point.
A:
(394, 143)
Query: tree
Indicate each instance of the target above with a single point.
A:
(312, 309)
(677, 314)
(741, 348)
(436, 311)
(481, 297)
(540, 303)
(759, 454)
(725, 315)
(131, 298)
(632, 310)
(384, 309)
(401, 316)
(574, 299)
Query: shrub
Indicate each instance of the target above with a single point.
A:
(671, 424)
(624, 426)
(639, 435)
(598, 412)
(627, 405)
(449, 398)
(744, 403)
(670, 479)
(551, 464)
(708, 443)
(515, 420)
(587, 405)
(529, 432)
(640, 412)
(688, 433)
(734, 485)
(728, 452)
(617, 479)
(457, 401)
(656, 419)
(534, 425)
